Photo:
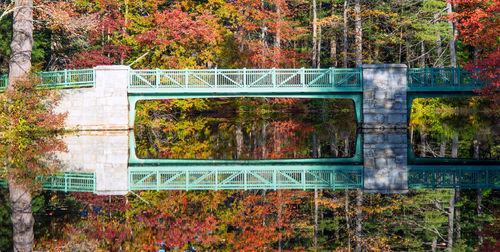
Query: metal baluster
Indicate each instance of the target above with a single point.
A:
(332, 77)
(303, 77)
(244, 77)
(157, 77)
(187, 181)
(273, 77)
(216, 77)
(186, 77)
(157, 180)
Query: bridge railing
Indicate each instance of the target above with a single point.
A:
(61, 79)
(245, 177)
(67, 182)
(442, 79)
(347, 79)
(453, 176)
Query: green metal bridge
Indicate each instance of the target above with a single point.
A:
(339, 173)
(66, 182)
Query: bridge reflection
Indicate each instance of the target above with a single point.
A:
(100, 162)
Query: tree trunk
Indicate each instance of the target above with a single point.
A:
(239, 141)
(422, 55)
(439, 51)
(454, 145)
(479, 210)
(315, 145)
(315, 35)
(315, 219)
(475, 144)
(423, 140)
(333, 51)
(347, 220)
(434, 243)
(452, 42)
(263, 140)
(19, 66)
(442, 149)
(334, 150)
(344, 62)
(358, 33)
(277, 39)
(458, 228)
(359, 219)
(346, 144)
(318, 55)
(451, 217)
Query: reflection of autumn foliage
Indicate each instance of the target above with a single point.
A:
(261, 220)
(223, 220)
(285, 140)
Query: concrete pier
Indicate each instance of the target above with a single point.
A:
(104, 153)
(102, 107)
(385, 149)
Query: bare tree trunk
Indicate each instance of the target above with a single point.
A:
(333, 144)
(315, 145)
(263, 139)
(318, 55)
(423, 140)
(359, 219)
(346, 144)
(454, 145)
(239, 141)
(358, 33)
(347, 220)
(439, 51)
(315, 35)
(479, 210)
(22, 217)
(452, 42)
(407, 47)
(422, 56)
(451, 217)
(434, 243)
(458, 228)
(475, 144)
(442, 149)
(315, 219)
(346, 7)
(19, 66)
(277, 40)
(280, 210)
(333, 51)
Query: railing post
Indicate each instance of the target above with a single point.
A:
(216, 77)
(245, 178)
(157, 77)
(459, 75)
(187, 181)
(274, 178)
(303, 178)
(157, 180)
(332, 79)
(186, 77)
(433, 73)
(65, 77)
(216, 180)
(244, 77)
(303, 77)
(274, 77)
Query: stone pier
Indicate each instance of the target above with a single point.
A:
(104, 153)
(385, 149)
(102, 107)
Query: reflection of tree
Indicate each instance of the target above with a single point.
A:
(244, 128)
(451, 127)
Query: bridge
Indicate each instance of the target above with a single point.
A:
(104, 98)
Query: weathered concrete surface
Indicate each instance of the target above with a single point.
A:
(103, 152)
(103, 107)
(385, 158)
(384, 96)
(385, 149)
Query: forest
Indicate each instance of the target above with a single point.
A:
(201, 34)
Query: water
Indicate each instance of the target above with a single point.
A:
(247, 131)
